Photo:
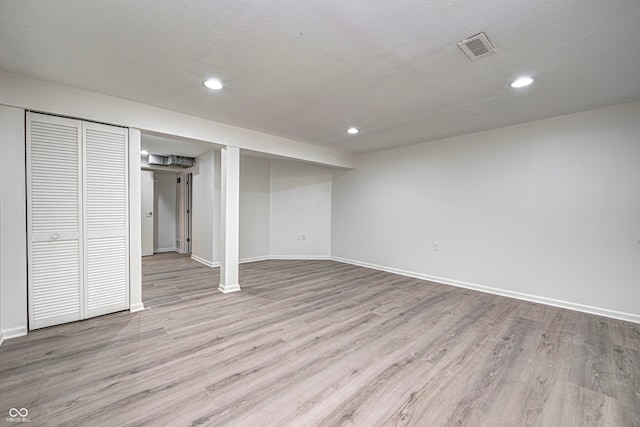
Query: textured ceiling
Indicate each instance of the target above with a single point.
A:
(307, 70)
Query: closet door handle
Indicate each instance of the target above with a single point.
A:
(55, 236)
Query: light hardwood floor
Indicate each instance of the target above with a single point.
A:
(320, 343)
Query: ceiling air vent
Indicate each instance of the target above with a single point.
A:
(476, 46)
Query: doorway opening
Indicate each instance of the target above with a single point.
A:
(166, 211)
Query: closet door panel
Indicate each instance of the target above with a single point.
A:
(56, 277)
(54, 223)
(106, 218)
(107, 274)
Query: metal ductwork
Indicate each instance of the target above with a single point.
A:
(171, 160)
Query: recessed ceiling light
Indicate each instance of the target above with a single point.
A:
(522, 82)
(353, 131)
(144, 153)
(214, 84)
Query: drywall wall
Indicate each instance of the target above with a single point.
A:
(27, 93)
(1, 233)
(164, 200)
(204, 214)
(254, 208)
(217, 205)
(13, 222)
(547, 210)
(300, 210)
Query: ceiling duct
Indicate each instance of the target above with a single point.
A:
(477, 46)
(171, 160)
(181, 161)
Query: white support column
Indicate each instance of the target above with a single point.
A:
(135, 226)
(230, 216)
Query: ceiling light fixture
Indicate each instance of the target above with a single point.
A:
(353, 131)
(144, 153)
(214, 84)
(522, 82)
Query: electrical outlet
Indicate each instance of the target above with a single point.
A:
(436, 247)
(300, 236)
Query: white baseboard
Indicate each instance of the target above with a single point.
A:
(228, 289)
(20, 331)
(254, 259)
(159, 250)
(263, 258)
(1, 338)
(205, 261)
(179, 250)
(136, 307)
(628, 317)
(301, 257)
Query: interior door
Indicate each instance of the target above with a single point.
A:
(106, 217)
(146, 185)
(54, 209)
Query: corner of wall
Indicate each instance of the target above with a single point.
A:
(16, 332)
(206, 262)
(13, 222)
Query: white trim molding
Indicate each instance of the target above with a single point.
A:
(628, 317)
(20, 331)
(253, 259)
(302, 257)
(214, 264)
(226, 289)
(159, 250)
(136, 307)
(135, 224)
(1, 338)
(205, 261)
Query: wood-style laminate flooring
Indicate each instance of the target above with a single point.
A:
(320, 343)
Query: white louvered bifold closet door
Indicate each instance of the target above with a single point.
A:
(106, 218)
(55, 224)
(78, 231)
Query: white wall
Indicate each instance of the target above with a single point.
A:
(217, 205)
(203, 236)
(13, 222)
(300, 205)
(164, 200)
(279, 200)
(254, 208)
(1, 183)
(548, 210)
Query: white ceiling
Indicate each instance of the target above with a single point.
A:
(309, 69)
